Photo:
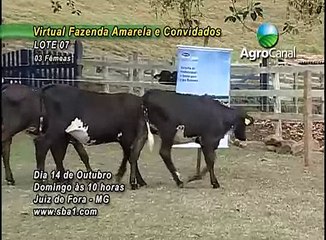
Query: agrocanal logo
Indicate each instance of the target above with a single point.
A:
(267, 36)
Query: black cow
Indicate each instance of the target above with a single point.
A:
(201, 118)
(92, 118)
(166, 77)
(21, 110)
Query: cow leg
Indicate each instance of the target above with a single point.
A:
(58, 150)
(165, 153)
(136, 148)
(43, 143)
(209, 155)
(198, 176)
(42, 146)
(82, 154)
(123, 168)
(6, 157)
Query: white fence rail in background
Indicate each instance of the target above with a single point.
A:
(135, 77)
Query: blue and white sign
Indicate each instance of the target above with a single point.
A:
(204, 70)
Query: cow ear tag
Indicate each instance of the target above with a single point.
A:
(247, 121)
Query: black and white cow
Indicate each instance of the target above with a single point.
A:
(200, 118)
(92, 118)
(21, 110)
(166, 77)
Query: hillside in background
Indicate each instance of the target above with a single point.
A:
(139, 12)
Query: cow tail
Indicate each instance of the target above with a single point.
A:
(150, 136)
(42, 113)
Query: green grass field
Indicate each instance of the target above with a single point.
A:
(138, 12)
(263, 196)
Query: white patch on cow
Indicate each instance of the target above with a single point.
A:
(153, 127)
(180, 136)
(247, 121)
(178, 174)
(119, 136)
(41, 124)
(90, 142)
(150, 137)
(79, 131)
(31, 131)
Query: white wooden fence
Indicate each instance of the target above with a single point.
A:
(139, 75)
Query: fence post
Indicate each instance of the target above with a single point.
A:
(130, 74)
(295, 87)
(206, 41)
(307, 118)
(173, 60)
(322, 85)
(277, 104)
(105, 74)
(263, 85)
(78, 56)
(135, 71)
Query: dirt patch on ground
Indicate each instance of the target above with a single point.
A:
(290, 131)
(263, 196)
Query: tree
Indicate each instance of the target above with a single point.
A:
(299, 13)
(57, 6)
(189, 10)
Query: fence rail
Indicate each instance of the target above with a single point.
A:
(290, 74)
(267, 79)
(243, 69)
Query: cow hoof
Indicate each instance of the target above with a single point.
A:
(95, 180)
(67, 181)
(41, 181)
(10, 182)
(216, 185)
(180, 185)
(134, 186)
(194, 178)
(118, 178)
(141, 184)
(56, 180)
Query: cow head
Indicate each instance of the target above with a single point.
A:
(242, 121)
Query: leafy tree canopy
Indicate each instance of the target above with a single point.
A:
(300, 13)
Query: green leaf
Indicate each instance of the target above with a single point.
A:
(227, 19)
(245, 14)
(259, 12)
(230, 18)
(253, 16)
(285, 27)
(257, 3)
